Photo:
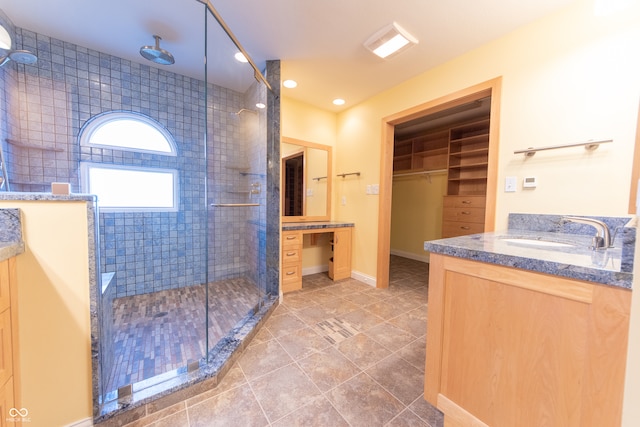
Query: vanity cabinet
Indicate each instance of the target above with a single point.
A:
(292, 249)
(341, 254)
(8, 336)
(291, 260)
(509, 347)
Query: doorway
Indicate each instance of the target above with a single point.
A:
(433, 108)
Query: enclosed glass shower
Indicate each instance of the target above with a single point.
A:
(177, 291)
(180, 284)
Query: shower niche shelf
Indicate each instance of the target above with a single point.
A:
(33, 146)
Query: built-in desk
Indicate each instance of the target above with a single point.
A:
(292, 238)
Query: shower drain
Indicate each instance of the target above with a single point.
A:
(161, 314)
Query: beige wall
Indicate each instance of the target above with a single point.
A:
(569, 77)
(53, 309)
(416, 213)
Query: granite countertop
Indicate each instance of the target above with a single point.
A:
(547, 244)
(313, 225)
(11, 243)
(73, 197)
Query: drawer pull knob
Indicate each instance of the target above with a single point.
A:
(291, 237)
(466, 202)
(291, 253)
(464, 227)
(289, 273)
(466, 213)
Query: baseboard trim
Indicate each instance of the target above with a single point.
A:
(364, 278)
(410, 255)
(315, 269)
(87, 422)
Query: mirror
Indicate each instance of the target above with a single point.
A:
(306, 180)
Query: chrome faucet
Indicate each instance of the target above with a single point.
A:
(602, 239)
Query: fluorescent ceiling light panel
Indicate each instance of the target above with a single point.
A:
(390, 41)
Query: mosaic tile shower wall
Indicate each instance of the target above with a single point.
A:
(152, 251)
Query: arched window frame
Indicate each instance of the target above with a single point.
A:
(96, 123)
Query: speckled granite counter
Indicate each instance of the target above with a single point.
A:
(11, 243)
(563, 249)
(314, 225)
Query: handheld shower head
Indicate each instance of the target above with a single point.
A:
(156, 54)
(19, 56)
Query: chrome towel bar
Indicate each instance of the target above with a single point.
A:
(233, 205)
(589, 145)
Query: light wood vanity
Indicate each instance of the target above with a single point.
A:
(9, 378)
(292, 248)
(509, 347)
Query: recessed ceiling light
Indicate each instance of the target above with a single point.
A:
(240, 57)
(290, 84)
(260, 105)
(390, 41)
(338, 101)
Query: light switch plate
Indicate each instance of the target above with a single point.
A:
(510, 183)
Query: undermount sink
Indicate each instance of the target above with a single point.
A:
(536, 242)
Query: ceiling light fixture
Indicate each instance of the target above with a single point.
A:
(390, 41)
(339, 101)
(240, 57)
(260, 105)
(289, 84)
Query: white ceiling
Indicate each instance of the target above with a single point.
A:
(319, 41)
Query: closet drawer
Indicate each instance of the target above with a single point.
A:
(475, 215)
(453, 228)
(464, 201)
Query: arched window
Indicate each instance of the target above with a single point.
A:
(122, 187)
(127, 131)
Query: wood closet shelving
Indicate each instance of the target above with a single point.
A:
(462, 150)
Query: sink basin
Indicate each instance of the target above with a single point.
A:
(536, 242)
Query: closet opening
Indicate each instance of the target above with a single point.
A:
(438, 173)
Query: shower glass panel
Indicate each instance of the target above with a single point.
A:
(154, 322)
(236, 184)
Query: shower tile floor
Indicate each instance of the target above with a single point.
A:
(162, 331)
(332, 354)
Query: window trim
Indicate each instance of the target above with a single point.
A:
(85, 185)
(94, 124)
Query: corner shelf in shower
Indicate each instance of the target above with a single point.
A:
(34, 146)
(14, 181)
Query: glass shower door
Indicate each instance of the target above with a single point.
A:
(236, 182)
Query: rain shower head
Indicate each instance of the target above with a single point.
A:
(19, 56)
(156, 54)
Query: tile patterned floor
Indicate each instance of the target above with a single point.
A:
(162, 331)
(332, 354)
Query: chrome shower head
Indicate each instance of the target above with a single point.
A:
(156, 54)
(19, 56)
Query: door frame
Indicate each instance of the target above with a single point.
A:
(491, 87)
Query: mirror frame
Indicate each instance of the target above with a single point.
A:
(305, 218)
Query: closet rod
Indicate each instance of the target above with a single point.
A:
(589, 145)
